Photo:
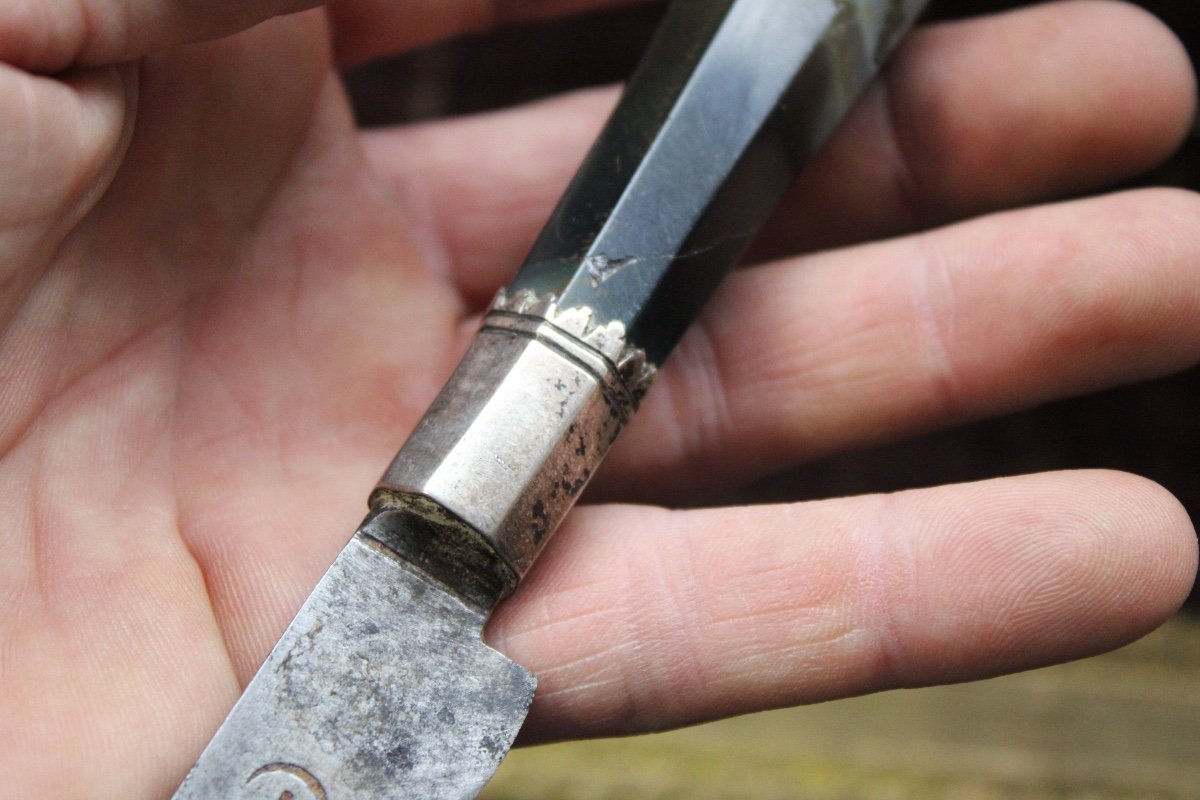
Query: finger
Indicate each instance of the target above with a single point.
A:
(50, 35)
(855, 346)
(972, 116)
(62, 142)
(1103, 91)
(365, 29)
(487, 207)
(640, 619)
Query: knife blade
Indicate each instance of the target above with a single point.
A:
(382, 686)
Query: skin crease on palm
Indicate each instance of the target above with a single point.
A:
(222, 308)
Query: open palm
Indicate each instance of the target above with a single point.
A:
(222, 308)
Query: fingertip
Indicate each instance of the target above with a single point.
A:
(1173, 216)
(1161, 548)
(1137, 562)
(1154, 80)
(1042, 569)
(1050, 99)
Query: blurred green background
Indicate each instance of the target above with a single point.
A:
(1125, 725)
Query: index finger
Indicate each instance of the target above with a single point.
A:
(639, 619)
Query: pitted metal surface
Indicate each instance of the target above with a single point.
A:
(381, 688)
(522, 425)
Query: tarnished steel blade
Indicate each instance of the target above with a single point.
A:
(380, 688)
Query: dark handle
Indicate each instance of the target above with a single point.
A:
(733, 99)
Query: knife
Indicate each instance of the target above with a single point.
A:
(382, 686)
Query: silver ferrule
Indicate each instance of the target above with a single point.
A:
(511, 442)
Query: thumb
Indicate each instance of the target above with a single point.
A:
(48, 36)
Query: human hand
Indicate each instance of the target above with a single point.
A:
(223, 308)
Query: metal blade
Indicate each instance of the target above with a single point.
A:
(381, 687)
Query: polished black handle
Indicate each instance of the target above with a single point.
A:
(733, 99)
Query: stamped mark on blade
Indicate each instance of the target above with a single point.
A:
(286, 782)
(601, 267)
